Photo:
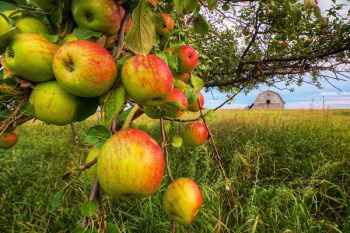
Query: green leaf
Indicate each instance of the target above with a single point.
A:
(190, 94)
(168, 127)
(176, 141)
(27, 110)
(121, 61)
(83, 33)
(294, 12)
(179, 84)
(52, 38)
(210, 114)
(1, 74)
(162, 55)
(197, 83)
(186, 6)
(56, 15)
(212, 4)
(97, 135)
(5, 6)
(111, 228)
(129, 117)
(113, 104)
(89, 209)
(317, 13)
(176, 104)
(142, 34)
(56, 200)
(200, 24)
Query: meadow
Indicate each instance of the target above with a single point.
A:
(290, 172)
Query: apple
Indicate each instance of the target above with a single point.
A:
(182, 76)
(188, 57)
(91, 172)
(310, 4)
(153, 2)
(30, 24)
(194, 107)
(130, 165)
(84, 68)
(147, 79)
(69, 38)
(30, 56)
(52, 104)
(195, 134)
(86, 108)
(8, 140)
(128, 25)
(98, 15)
(182, 200)
(177, 96)
(165, 24)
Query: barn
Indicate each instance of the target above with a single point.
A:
(268, 100)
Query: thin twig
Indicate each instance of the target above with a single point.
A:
(75, 133)
(218, 158)
(120, 44)
(86, 166)
(165, 149)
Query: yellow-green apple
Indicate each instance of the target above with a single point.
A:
(178, 97)
(8, 140)
(86, 107)
(91, 172)
(47, 5)
(182, 76)
(310, 4)
(165, 24)
(188, 57)
(98, 15)
(147, 79)
(30, 56)
(194, 107)
(130, 164)
(52, 104)
(84, 68)
(182, 200)
(195, 134)
(69, 38)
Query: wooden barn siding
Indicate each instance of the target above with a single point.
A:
(275, 101)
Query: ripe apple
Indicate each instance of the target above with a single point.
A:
(91, 172)
(177, 96)
(188, 57)
(147, 79)
(8, 140)
(182, 76)
(30, 56)
(130, 164)
(182, 200)
(165, 24)
(84, 68)
(52, 104)
(194, 107)
(98, 15)
(195, 134)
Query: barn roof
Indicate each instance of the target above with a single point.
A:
(273, 93)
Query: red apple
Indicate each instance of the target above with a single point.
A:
(182, 200)
(84, 68)
(165, 25)
(153, 2)
(128, 25)
(188, 57)
(8, 140)
(130, 164)
(147, 79)
(194, 107)
(195, 134)
(182, 76)
(177, 96)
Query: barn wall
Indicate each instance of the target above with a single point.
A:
(261, 101)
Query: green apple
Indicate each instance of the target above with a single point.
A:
(195, 134)
(91, 172)
(30, 24)
(147, 79)
(69, 38)
(84, 68)
(130, 164)
(30, 56)
(52, 104)
(8, 140)
(182, 200)
(195, 107)
(98, 15)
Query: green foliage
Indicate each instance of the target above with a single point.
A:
(142, 35)
(89, 209)
(113, 104)
(84, 34)
(97, 135)
(176, 141)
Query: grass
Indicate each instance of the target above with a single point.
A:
(290, 171)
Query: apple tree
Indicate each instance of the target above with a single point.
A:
(64, 60)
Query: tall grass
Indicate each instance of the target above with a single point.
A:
(290, 171)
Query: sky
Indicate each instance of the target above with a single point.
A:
(304, 97)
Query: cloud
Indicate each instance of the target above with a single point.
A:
(333, 93)
(333, 102)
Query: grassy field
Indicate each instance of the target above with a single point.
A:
(290, 171)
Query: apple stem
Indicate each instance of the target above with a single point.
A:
(218, 158)
(165, 149)
(117, 50)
